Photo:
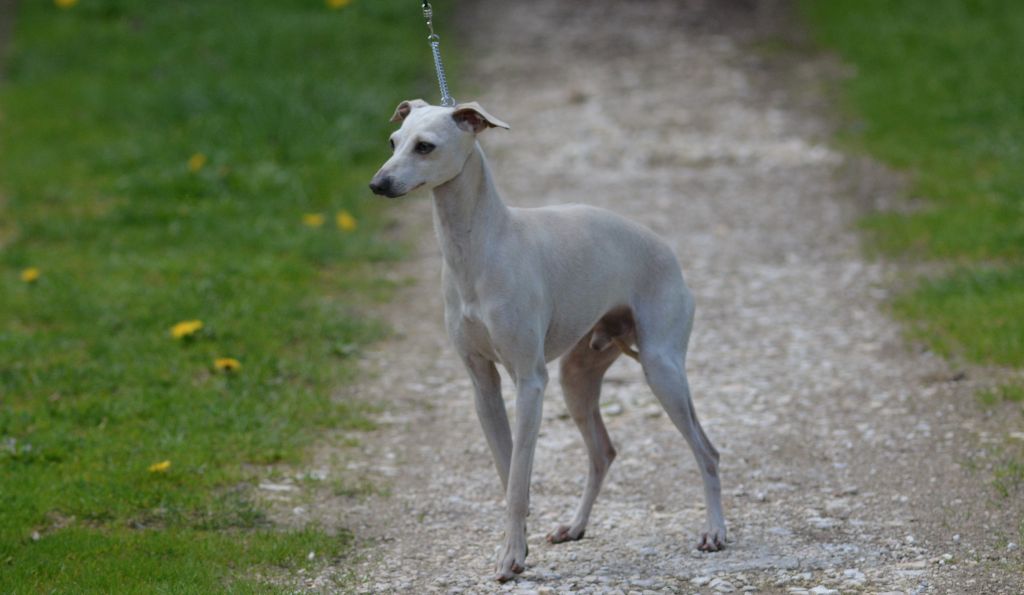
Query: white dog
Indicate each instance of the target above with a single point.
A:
(525, 286)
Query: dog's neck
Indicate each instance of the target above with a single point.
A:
(467, 211)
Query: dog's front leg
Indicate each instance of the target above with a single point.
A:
(490, 409)
(529, 405)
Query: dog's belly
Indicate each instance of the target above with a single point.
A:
(573, 322)
(473, 333)
(563, 325)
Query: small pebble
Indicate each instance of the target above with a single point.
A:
(612, 409)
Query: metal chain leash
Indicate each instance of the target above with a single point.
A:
(435, 49)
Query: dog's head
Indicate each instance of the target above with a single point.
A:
(432, 145)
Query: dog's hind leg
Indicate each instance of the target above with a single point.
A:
(663, 333)
(667, 378)
(582, 371)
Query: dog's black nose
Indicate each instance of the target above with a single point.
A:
(382, 186)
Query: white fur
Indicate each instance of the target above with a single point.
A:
(525, 286)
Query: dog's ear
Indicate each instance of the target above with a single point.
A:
(473, 118)
(403, 109)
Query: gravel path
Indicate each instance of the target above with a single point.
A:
(846, 455)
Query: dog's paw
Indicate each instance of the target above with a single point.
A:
(565, 533)
(512, 562)
(509, 568)
(712, 539)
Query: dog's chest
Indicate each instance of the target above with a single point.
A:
(470, 325)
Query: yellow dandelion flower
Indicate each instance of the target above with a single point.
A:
(337, 4)
(227, 364)
(313, 219)
(30, 275)
(196, 162)
(186, 328)
(345, 221)
(160, 467)
(65, 4)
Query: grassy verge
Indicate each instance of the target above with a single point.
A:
(938, 92)
(156, 164)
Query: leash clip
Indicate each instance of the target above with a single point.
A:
(428, 14)
(435, 49)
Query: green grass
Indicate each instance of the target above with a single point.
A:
(1008, 473)
(101, 109)
(1005, 393)
(937, 92)
(977, 314)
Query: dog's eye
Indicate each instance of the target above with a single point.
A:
(423, 148)
(391, 142)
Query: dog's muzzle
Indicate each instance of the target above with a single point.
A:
(384, 187)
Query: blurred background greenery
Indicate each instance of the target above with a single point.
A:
(937, 92)
(172, 161)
